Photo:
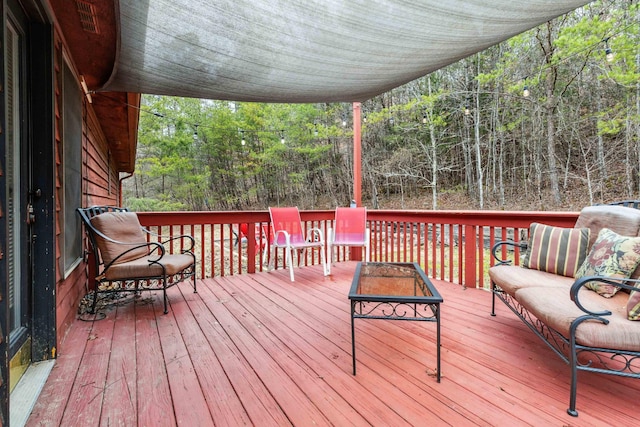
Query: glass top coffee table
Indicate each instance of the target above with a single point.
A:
(396, 291)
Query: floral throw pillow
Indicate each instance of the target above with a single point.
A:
(611, 255)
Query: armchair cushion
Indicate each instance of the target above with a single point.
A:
(611, 255)
(556, 250)
(125, 229)
(146, 267)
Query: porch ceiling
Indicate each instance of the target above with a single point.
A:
(305, 51)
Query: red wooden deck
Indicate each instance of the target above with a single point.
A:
(260, 350)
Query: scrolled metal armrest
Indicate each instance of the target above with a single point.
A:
(581, 282)
(498, 245)
(182, 236)
(192, 242)
(153, 246)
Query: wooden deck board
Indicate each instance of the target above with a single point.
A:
(310, 311)
(61, 379)
(217, 390)
(119, 403)
(246, 388)
(263, 356)
(384, 342)
(308, 348)
(86, 397)
(190, 408)
(154, 401)
(261, 350)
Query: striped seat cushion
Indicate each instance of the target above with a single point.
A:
(556, 250)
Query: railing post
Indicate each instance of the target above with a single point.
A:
(251, 248)
(470, 264)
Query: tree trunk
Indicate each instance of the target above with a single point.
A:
(480, 179)
(550, 110)
(434, 158)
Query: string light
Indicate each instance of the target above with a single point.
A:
(243, 142)
(424, 119)
(607, 50)
(344, 120)
(609, 55)
(315, 129)
(466, 110)
(282, 136)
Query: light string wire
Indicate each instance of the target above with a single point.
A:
(281, 132)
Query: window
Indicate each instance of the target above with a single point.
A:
(72, 166)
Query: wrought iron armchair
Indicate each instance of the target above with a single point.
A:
(126, 257)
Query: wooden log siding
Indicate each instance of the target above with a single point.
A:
(450, 245)
(99, 187)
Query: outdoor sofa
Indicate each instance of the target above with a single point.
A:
(569, 290)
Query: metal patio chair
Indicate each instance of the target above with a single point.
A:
(349, 229)
(288, 234)
(262, 238)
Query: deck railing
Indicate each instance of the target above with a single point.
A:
(449, 245)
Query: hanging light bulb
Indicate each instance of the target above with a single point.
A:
(466, 110)
(364, 119)
(282, 136)
(608, 54)
(315, 129)
(344, 121)
(424, 119)
(243, 142)
(526, 92)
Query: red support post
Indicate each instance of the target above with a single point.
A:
(356, 253)
(357, 153)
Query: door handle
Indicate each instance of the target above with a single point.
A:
(31, 217)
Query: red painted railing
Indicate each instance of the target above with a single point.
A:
(449, 245)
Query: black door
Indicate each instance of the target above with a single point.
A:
(17, 204)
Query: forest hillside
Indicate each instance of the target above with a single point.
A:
(548, 120)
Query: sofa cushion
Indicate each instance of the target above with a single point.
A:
(554, 308)
(622, 220)
(511, 278)
(124, 228)
(633, 304)
(555, 249)
(611, 255)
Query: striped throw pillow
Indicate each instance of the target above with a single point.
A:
(556, 250)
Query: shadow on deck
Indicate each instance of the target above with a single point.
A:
(260, 350)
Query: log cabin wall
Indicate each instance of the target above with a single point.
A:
(99, 187)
